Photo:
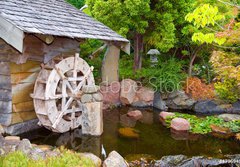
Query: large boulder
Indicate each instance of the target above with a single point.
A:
(178, 100)
(128, 91)
(209, 107)
(114, 159)
(159, 103)
(180, 124)
(145, 94)
(111, 93)
(144, 98)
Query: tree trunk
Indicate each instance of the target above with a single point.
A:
(138, 50)
(191, 64)
(193, 57)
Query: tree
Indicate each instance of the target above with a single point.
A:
(77, 3)
(155, 23)
(207, 29)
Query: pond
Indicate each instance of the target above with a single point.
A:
(154, 140)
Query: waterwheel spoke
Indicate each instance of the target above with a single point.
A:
(84, 79)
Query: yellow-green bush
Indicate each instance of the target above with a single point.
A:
(228, 90)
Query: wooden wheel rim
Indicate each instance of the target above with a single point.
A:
(68, 76)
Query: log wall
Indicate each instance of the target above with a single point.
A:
(16, 85)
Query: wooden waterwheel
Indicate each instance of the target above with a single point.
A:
(57, 93)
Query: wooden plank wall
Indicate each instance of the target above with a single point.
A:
(23, 77)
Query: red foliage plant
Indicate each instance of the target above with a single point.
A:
(198, 89)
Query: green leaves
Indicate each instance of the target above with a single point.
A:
(202, 18)
(204, 15)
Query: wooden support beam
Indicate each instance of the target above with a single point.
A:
(110, 66)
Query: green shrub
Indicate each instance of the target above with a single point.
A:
(66, 159)
(87, 48)
(166, 76)
(228, 90)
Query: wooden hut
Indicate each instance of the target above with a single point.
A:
(34, 34)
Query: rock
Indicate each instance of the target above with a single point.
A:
(136, 114)
(9, 148)
(180, 124)
(2, 131)
(23, 127)
(236, 107)
(89, 89)
(24, 146)
(37, 153)
(208, 107)
(111, 93)
(183, 161)
(97, 161)
(145, 94)
(45, 147)
(221, 132)
(92, 119)
(159, 103)
(178, 100)
(115, 160)
(98, 97)
(141, 104)
(164, 115)
(86, 98)
(127, 121)
(12, 138)
(170, 161)
(128, 91)
(128, 133)
(230, 117)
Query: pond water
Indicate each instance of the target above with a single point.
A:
(154, 140)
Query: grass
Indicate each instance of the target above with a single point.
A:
(66, 159)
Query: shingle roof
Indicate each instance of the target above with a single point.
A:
(55, 17)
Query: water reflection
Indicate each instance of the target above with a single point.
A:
(154, 139)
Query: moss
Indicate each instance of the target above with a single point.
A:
(66, 159)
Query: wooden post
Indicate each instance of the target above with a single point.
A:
(110, 66)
